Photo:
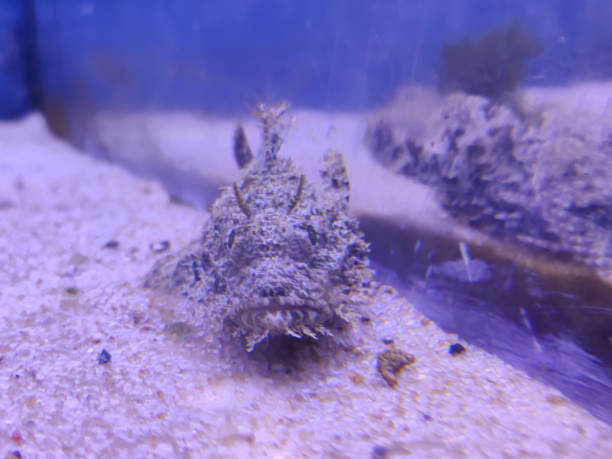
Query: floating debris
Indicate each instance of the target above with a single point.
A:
(391, 362)
(104, 357)
(527, 323)
(465, 255)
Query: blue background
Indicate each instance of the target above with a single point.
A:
(79, 56)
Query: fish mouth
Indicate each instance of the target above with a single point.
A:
(293, 318)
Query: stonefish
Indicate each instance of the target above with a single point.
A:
(277, 257)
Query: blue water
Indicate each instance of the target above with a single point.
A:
(217, 56)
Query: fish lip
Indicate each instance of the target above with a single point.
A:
(273, 307)
(309, 314)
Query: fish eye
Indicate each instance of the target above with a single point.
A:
(312, 234)
(230, 239)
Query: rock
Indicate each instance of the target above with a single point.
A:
(543, 184)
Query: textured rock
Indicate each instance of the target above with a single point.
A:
(544, 183)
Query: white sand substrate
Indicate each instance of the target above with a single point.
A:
(65, 295)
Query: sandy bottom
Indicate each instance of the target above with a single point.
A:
(77, 237)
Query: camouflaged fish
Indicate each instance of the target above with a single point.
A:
(278, 257)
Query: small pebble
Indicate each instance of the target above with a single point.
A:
(71, 290)
(111, 244)
(356, 378)
(379, 452)
(388, 340)
(104, 357)
(160, 246)
(456, 349)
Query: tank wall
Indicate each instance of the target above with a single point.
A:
(219, 56)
